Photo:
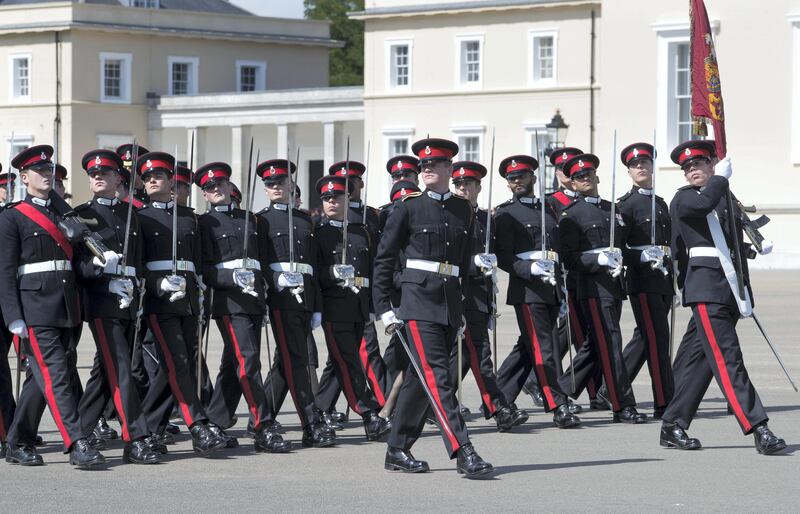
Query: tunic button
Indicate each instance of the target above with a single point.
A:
(448, 243)
(424, 229)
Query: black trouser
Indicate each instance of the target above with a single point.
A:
(206, 387)
(477, 356)
(650, 342)
(52, 365)
(173, 334)
(139, 368)
(536, 350)
(240, 372)
(344, 341)
(289, 371)
(431, 345)
(710, 348)
(7, 404)
(111, 379)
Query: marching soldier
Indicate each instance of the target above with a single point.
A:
(40, 305)
(346, 299)
(7, 404)
(238, 306)
(7, 181)
(128, 172)
(597, 262)
(59, 176)
(109, 306)
(702, 245)
(433, 229)
(403, 167)
(533, 288)
(172, 303)
(294, 301)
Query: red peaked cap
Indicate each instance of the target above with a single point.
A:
(5, 178)
(356, 168)
(236, 194)
(155, 161)
(400, 164)
(211, 173)
(126, 152)
(693, 149)
(517, 164)
(581, 164)
(61, 173)
(402, 188)
(468, 169)
(636, 151)
(33, 156)
(275, 169)
(183, 175)
(332, 185)
(434, 149)
(561, 155)
(101, 160)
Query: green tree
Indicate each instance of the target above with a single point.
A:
(347, 63)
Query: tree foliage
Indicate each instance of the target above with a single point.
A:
(347, 63)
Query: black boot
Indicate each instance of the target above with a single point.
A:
(658, 412)
(506, 418)
(98, 443)
(767, 443)
(673, 436)
(270, 441)
(138, 452)
(536, 395)
(38, 441)
(164, 437)
(598, 404)
(230, 441)
(470, 464)
(630, 415)
(204, 441)
(103, 431)
(173, 429)
(25, 455)
(3, 449)
(563, 418)
(316, 435)
(331, 423)
(155, 445)
(375, 426)
(401, 460)
(83, 456)
(574, 407)
(337, 417)
(464, 410)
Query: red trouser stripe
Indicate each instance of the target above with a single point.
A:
(430, 378)
(374, 384)
(651, 340)
(538, 360)
(476, 372)
(111, 376)
(347, 385)
(601, 342)
(287, 366)
(727, 385)
(243, 380)
(48, 388)
(171, 373)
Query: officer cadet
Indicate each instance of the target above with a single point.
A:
(648, 279)
(7, 404)
(565, 194)
(172, 303)
(40, 305)
(533, 288)
(346, 299)
(466, 178)
(403, 167)
(238, 306)
(126, 154)
(109, 306)
(59, 176)
(702, 247)
(183, 182)
(7, 181)
(433, 229)
(294, 301)
(587, 251)
(236, 196)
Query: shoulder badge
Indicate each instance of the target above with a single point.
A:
(412, 195)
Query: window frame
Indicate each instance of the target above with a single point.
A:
(389, 44)
(12, 58)
(192, 82)
(125, 77)
(470, 130)
(261, 74)
(460, 63)
(533, 35)
(132, 3)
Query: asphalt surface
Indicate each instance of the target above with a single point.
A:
(600, 467)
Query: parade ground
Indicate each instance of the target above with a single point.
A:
(600, 467)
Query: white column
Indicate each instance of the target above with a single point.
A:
(240, 154)
(287, 132)
(329, 143)
(196, 160)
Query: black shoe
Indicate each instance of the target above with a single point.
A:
(630, 415)
(204, 441)
(505, 419)
(375, 426)
(104, 431)
(603, 396)
(574, 407)
(520, 416)
(38, 441)
(402, 460)
(269, 441)
(464, 410)
(333, 425)
(337, 417)
(3, 449)
(97, 443)
(658, 412)
(173, 429)
(155, 445)
(165, 437)
(23, 455)
(316, 436)
(563, 418)
(138, 452)
(83, 456)
(230, 441)
(470, 464)
(673, 436)
(598, 404)
(536, 394)
(767, 443)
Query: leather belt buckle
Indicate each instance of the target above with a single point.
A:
(445, 268)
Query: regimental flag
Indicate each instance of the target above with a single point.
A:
(707, 104)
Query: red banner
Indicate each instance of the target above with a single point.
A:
(707, 104)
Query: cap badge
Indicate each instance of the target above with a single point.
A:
(427, 150)
(43, 156)
(399, 165)
(564, 156)
(403, 191)
(272, 170)
(513, 163)
(687, 152)
(127, 155)
(97, 160)
(462, 171)
(210, 174)
(342, 172)
(330, 186)
(635, 152)
(580, 163)
(149, 163)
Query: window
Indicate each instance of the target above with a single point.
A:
(399, 65)
(469, 148)
(398, 146)
(183, 75)
(115, 77)
(18, 144)
(250, 76)
(146, 4)
(469, 50)
(543, 48)
(397, 141)
(538, 142)
(20, 75)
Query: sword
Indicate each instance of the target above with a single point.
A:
(297, 291)
(774, 350)
(174, 213)
(269, 362)
(126, 242)
(208, 328)
(673, 309)
(613, 193)
(569, 327)
(248, 202)
(366, 190)
(655, 265)
(19, 367)
(346, 221)
(191, 167)
(486, 249)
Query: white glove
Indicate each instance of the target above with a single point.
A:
(390, 321)
(111, 258)
(265, 319)
(246, 280)
(652, 254)
(122, 287)
(18, 328)
(343, 272)
(611, 259)
(724, 168)
(174, 284)
(289, 279)
(766, 247)
(544, 269)
(316, 320)
(487, 262)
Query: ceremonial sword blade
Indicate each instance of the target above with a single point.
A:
(345, 223)
(611, 244)
(489, 204)
(365, 188)
(774, 350)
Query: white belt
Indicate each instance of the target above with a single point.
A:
(240, 264)
(538, 256)
(596, 251)
(704, 251)
(167, 266)
(41, 267)
(441, 268)
(642, 248)
(125, 271)
(299, 267)
(361, 282)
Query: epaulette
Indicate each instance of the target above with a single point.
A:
(83, 206)
(686, 187)
(625, 196)
(384, 206)
(262, 211)
(505, 204)
(412, 195)
(12, 204)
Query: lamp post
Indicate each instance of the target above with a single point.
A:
(556, 136)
